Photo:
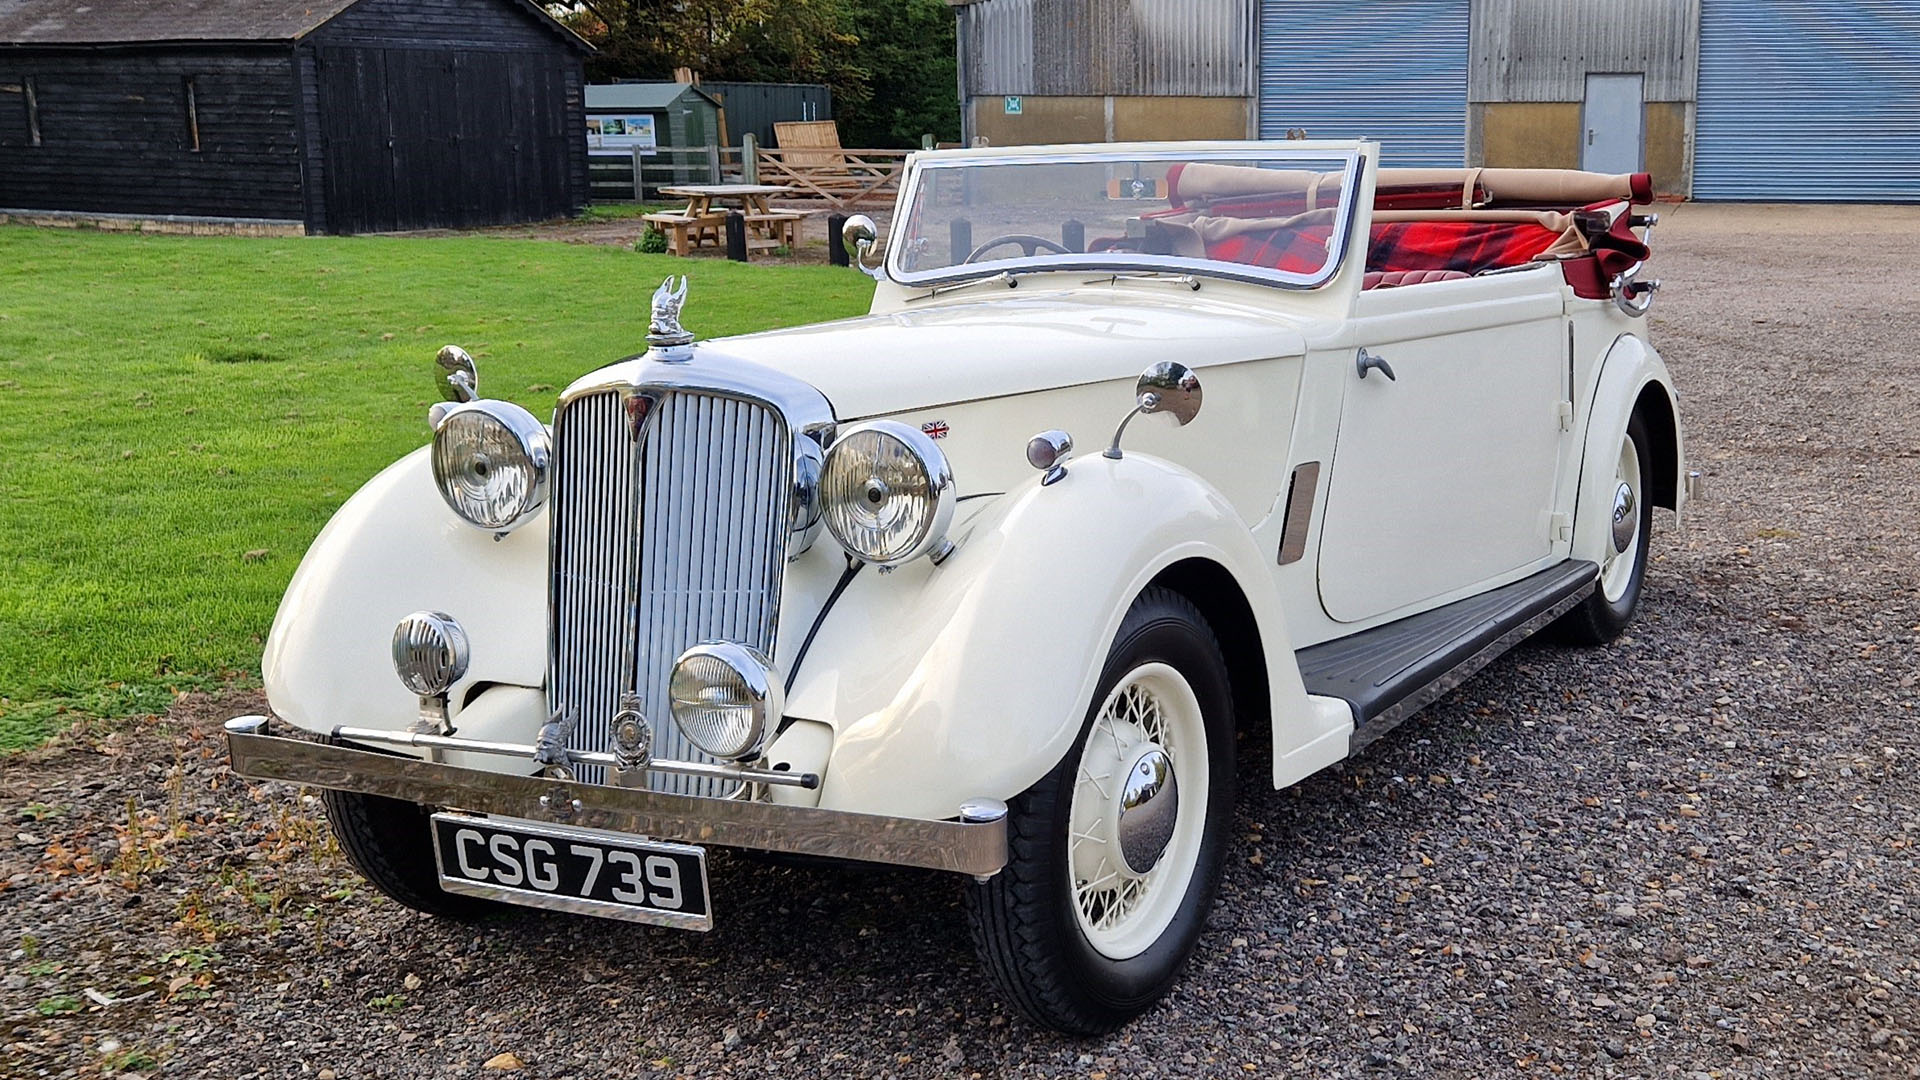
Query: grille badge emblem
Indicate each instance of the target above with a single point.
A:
(632, 742)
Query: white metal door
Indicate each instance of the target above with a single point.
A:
(1614, 115)
(1444, 478)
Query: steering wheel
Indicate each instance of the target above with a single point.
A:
(1029, 244)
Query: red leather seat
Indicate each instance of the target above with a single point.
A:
(1389, 279)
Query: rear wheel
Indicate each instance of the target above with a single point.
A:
(391, 843)
(1113, 857)
(1607, 611)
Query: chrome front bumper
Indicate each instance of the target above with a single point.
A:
(976, 844)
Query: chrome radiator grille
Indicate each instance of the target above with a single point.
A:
(661, 543)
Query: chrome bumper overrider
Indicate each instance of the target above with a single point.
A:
(976, 844)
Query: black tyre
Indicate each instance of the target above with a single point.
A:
(1087, 927)
(1607, 611)
(389, 841)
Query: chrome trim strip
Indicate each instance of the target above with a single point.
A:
(1465, 669)
(737, 774)
(578, 905)
(1300, 498)
(978, 848)
(1355, 166)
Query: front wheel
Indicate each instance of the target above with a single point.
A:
(391, 843)
(1114, 856)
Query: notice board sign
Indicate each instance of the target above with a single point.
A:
(621, 132)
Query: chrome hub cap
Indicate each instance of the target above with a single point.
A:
(1134, 830)
(1626, 518)
(1616, 573)
(1147, 807)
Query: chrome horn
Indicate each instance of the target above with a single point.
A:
(860, 235)
(1166, 387)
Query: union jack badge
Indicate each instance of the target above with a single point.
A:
(934, 429)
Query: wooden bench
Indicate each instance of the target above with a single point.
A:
(779, 226)
(686, 232)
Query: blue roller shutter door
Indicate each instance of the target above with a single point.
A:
(1392, 70)
(1808, 100)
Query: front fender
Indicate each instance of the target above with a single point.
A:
(971, 678)
(1630, 368)
(394, 548)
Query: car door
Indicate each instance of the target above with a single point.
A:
(1444, 474)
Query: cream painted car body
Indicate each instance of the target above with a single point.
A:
(1490, 458)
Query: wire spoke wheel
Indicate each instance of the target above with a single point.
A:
(1130, 861)
(1114, 855)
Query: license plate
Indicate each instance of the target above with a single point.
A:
(580, 870)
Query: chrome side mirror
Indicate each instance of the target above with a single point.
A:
(1166, 387)
(860, 235)
(455, 375)
(455, 379)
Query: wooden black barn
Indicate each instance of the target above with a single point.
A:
(344, 116)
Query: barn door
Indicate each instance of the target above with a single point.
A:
(429, 139)
(356, 140)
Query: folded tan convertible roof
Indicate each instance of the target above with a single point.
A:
(1559, 187)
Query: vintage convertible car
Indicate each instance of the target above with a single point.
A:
(848, 590)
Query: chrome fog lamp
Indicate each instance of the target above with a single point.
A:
(725, 697)
(430, 652)
(888, 493)
(490, 461)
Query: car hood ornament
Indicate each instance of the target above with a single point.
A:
(668, 338)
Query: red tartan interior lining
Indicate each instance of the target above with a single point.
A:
(1467, 246)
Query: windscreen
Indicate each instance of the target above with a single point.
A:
(1272, 217)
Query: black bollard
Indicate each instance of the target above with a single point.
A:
(960, 239)
(1073, 235)
(836, 240)
(736, 236)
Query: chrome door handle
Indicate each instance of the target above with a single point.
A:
(1369, 362)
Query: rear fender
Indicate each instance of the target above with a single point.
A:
(972, 678)
(1631, 374)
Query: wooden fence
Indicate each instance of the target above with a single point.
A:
(840, 178)
(638, 175)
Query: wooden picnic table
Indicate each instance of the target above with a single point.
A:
(704, 220)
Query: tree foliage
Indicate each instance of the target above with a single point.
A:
(890, 63)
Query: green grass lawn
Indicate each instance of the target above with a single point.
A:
(180, 415)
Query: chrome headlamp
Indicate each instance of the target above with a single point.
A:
(887, 493)
(430, 652)
(725, 697)
(490, 461)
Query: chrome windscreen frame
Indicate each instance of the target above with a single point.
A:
(1354, 162)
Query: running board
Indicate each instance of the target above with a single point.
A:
(1391, 672)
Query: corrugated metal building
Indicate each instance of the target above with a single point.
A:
(1719, 99)
(1597, 84)
(1035, 71)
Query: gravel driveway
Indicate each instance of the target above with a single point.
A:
(1691, 853)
